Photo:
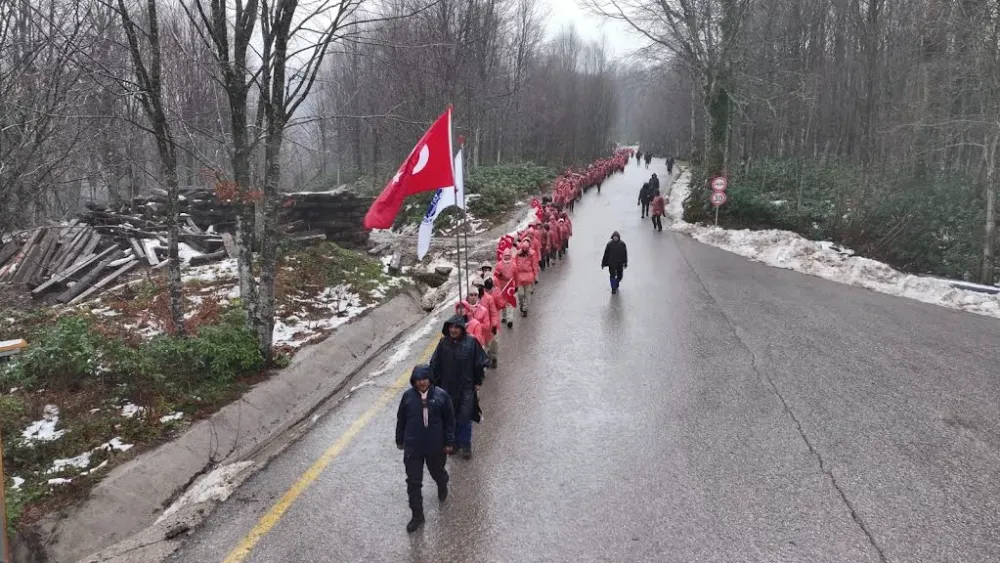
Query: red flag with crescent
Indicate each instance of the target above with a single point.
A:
(428, 168)
(510, 293)
(506, 242)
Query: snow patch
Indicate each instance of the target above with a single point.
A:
(102, 465)
(171, 417)
(362, 385)
(81, 461)
(116, 444)
(60, 481)
(342, 305)
(216, 486)
(131, 411)
(223, 270)
(403, 351)
(186, 253)
(17, 483)
(44, 430)
(824, 259)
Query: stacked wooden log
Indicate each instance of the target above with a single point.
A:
(74, 259)
(77, 260)
(338, 214)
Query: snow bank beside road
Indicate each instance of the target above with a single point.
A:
(824, 259)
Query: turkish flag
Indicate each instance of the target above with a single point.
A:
(428, 168)
(505, 243)
(535, 203)
(510, 293)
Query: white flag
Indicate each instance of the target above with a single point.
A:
(443, 199)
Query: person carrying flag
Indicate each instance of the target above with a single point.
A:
(503, 275)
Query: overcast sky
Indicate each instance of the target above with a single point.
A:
(621, 41)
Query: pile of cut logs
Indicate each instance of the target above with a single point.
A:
(84, 256)
(74, 258)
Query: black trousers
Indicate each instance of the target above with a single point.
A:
(645, 208)
(414, 463)
(616, 272)
(657, 222)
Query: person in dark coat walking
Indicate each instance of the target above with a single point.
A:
(654, 184)
(670, 165)
(645, 196)
(425, 431)
(615, 260)
(638, 158)
(649, 158)
(459, 366)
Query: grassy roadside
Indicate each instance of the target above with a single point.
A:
(102, 383)
(919, 221)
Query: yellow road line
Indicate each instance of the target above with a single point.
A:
(274, 515)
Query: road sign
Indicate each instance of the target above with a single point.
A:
(719, 184)
(718, 198)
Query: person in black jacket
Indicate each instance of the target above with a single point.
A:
(645, 196)
(458, 366)
(425, 431)
(654, 184)
(615, 260)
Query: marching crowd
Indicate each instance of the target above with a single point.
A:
(435, 415)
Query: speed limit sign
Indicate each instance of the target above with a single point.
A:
(718, 198)
(719, 184)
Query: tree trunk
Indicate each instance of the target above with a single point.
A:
(717, 106)
(989, 236)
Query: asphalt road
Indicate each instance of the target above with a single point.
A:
(715, 410)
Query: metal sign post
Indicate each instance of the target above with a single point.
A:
(718, 197)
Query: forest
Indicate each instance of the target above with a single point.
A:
(872, 123)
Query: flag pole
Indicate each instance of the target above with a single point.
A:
(458, 252)
(465, 219)
(458, 240)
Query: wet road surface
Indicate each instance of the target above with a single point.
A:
(716, 410)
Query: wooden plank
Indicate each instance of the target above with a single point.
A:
(87, 281)
(230, 244)
(8, 251)
(149, 246)
(91, 246)
(12, 268)
(207, 258)
(30, 263)
(73, 250)
(194, 228)
(69, 274)
(136, 247)
(69, 231)
(117, 263)
(108, 279)
(45, 263)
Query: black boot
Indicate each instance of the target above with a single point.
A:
(510, 324)
(415, 522)
(493, 363)
(442, 492)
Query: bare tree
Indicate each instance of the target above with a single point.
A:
(149, 90)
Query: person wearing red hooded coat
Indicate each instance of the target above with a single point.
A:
(484, 287)
(526, 268)
(563, 229)
(505, 272)
(474, 314)
(535, 239)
